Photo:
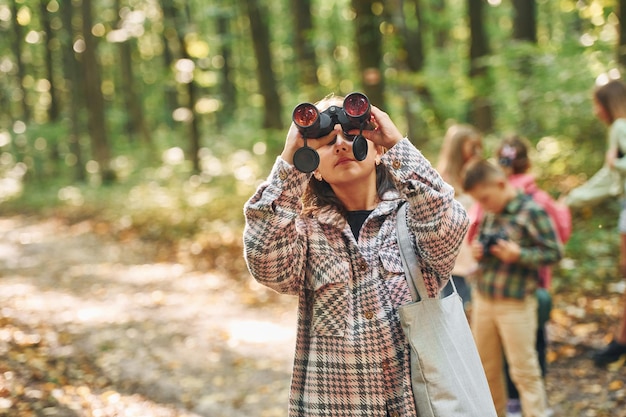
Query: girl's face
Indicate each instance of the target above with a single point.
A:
(337, 163)
(339, 167)
(600, 111)
(471, 148)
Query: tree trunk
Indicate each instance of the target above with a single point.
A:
(303, 46)
(369, 48)
(228, 91)
(96, 121)
(72, 81)
(136, 121)
(267, 82)
(525, 30)
(413, 39)
(16, 45)
(412, 59)
(480, 111)
(171, 50)
(53, 109)
(183, 23)
(525, 20)
(441, 26)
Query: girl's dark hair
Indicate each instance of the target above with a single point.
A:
(612, 97)
(513, 153)
(320, 194)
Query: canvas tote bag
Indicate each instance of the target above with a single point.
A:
(447, 376)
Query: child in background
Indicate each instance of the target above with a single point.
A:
(461, 144)
(515, 239)
(609, 104)
(513, 158)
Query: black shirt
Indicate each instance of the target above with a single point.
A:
(356, 220)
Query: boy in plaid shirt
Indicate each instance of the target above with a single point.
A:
(515, 239)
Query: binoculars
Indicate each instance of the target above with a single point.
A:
(313, 124)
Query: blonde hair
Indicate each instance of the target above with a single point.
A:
(451, 159)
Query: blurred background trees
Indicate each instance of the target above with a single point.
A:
(90, 81)
(182, 105)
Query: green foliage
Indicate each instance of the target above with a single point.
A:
(592, 252)
(542, 91)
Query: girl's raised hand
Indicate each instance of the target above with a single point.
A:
(385, 133)
(295, 141)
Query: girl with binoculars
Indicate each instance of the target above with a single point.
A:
(323, 227)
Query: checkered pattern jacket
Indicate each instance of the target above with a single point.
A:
(352, 358)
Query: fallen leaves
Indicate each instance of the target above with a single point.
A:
(580, 324)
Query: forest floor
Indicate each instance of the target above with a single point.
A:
(92, 325)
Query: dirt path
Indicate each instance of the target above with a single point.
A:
(156, 333)
(90, 326)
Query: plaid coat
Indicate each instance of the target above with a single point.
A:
(352, 358)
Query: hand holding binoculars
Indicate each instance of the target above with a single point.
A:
(313, 124)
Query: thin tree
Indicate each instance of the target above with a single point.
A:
(480, 112)
(441, 24)
(525, 20)
(136, 123)
(302, 42)
(53, 108)
(268, 87)
(228, 90)
(525, 31)
(369, 49)
(178, 24)
(171, 51)
(16, 46)
(94, 99)
(412, 58)
(72, 92)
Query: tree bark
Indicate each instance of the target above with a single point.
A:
(96, 121)
(267, 81)
(303, 33)
(183, 19)
(72, 81)
(171, 50)
(480, 111)
(441, 26)
(525, 20)
(136, 121)
(228, 90)
(412, 59)
(16, 45)
(369, 48)
(53, 109)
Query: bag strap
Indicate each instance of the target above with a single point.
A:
(412, 270)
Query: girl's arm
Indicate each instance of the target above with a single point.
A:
(274, 243)
(438, 221)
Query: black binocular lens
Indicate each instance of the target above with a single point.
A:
(313, 124)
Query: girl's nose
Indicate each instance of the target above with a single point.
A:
(340, 141)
